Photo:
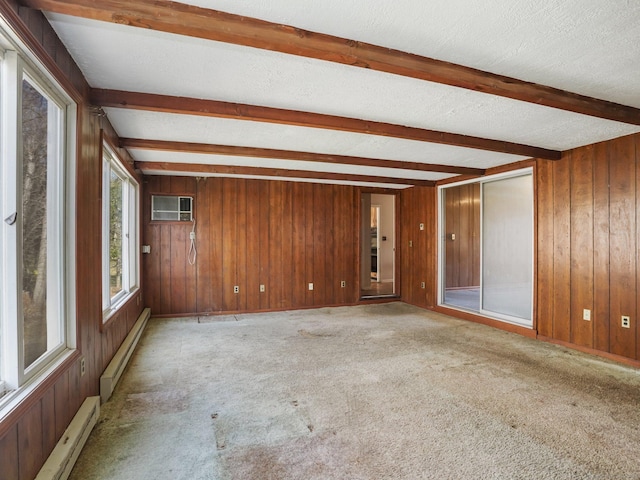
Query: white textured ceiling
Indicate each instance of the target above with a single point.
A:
(139, 124)
(588, 47)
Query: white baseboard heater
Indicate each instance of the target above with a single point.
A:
(118, 363)
(60, 463)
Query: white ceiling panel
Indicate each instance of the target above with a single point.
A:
(142, 60)
(588, 47)
(205, 159)
(218, 131)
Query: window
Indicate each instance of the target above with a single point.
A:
(37, 324)
(120, 233)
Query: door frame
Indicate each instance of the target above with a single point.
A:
(396, 232)
(441, 246)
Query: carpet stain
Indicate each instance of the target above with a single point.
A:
(308, 334)
(258, 463)
(140, 405)
(217, 318)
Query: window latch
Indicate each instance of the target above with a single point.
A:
(11, 219)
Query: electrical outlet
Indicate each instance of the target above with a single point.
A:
(311, 286)
(343, 284)
(262, 289)
(236, 289)
(422, 226)
(626, 321)
(83, 368)
(586, 314)
(422, 285)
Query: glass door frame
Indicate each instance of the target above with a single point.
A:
(442, 247)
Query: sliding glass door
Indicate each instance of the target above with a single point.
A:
(507, 247)
(487, 227)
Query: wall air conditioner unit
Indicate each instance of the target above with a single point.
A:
(172, 208)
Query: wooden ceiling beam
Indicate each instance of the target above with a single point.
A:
(238, 111)
(207, 169)
(235, 151)
(194, 21)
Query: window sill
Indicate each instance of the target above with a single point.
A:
(12, 401)
(108, 314)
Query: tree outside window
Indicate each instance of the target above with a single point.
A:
(35, 112)
(116, 186)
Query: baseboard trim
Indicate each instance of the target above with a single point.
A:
(243, 312)
(114, 370)
(61, 461)
(592, 351)
(509, 327)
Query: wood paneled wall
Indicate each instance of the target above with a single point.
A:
(285, 235)
(587, 252)
(418, 248)
(30, 432)
(282, 235)
(588, 243)
(462, 219)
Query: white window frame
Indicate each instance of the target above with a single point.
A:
(130, 229)
(17, 382)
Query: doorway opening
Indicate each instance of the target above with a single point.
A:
(377, 234)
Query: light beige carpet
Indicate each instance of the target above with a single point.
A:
(370, 392)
